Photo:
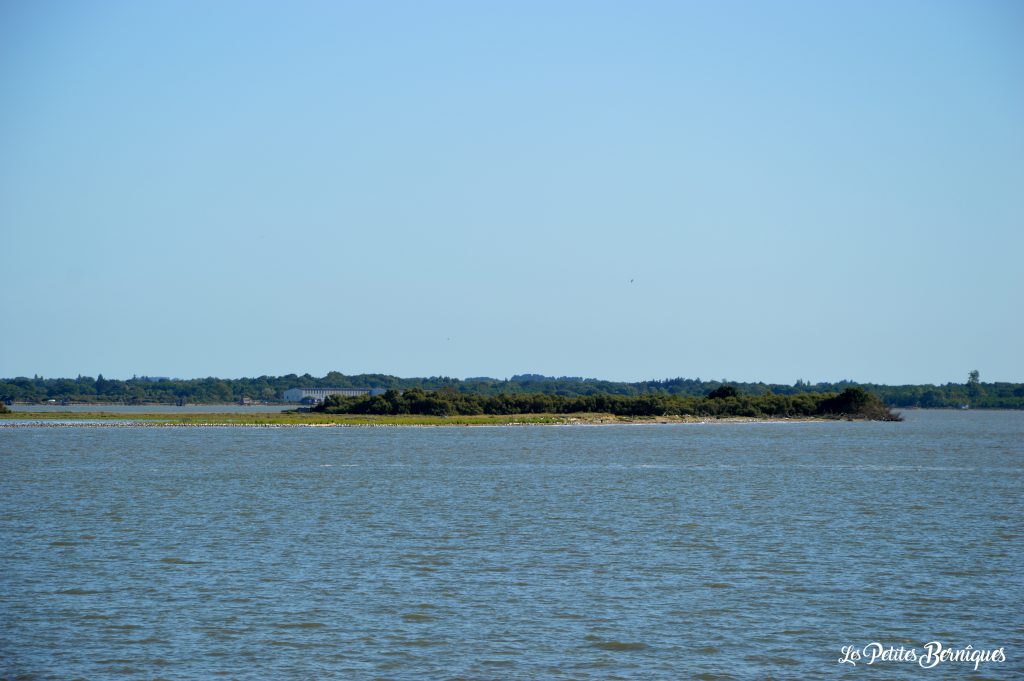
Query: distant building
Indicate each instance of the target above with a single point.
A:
(320, 394)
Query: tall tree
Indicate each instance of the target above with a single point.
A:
(974, 385)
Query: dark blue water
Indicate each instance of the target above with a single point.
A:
(685, 551)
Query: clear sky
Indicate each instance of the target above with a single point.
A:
(622, 190)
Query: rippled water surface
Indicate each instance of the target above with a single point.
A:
(682, 551)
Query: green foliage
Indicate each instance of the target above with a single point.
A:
(84, 389)
(974, 390)
(857, 402)
(722, 392)
(852, 403)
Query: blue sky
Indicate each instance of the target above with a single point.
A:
(743, 190)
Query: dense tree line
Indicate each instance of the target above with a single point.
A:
(952, 395)
(852, 402)
(271, 388)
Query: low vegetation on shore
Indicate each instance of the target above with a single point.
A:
(725, 402)
(418, 408)
(285, 419)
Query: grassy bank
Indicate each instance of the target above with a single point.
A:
(288, 419)
(314, 419)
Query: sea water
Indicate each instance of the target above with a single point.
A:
(710, 551)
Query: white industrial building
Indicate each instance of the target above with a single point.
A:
(320, 394)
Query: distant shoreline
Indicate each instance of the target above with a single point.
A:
(269, 391)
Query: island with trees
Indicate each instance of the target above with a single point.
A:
(724, 402)
(450, 407)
